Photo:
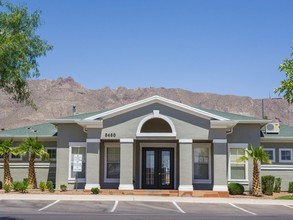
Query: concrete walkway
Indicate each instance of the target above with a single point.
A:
(259, 201)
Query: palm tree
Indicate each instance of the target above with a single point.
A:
(5, 150)
(258, 155)
(36, 150)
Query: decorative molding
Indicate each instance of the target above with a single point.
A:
(220, 141)
(126, 140)
(77, 144)
(126, 187)
(26, 165)
(93, 140)
(156, 114)
(220, 188)
(160, 100)
(276, 167)
(89, 186)
(185, 141)
(185, 188)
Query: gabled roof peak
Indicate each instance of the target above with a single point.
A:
(160, 100)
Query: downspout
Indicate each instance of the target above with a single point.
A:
(231, 129)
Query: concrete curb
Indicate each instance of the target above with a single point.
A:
(143, 198)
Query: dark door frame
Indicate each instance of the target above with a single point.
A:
(158, 163)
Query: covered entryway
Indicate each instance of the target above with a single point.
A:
(157, 168)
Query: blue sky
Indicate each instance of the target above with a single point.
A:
(224, 47)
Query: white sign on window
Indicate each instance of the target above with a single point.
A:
(77, 163)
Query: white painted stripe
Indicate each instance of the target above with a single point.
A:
(49, 205)
(288, 206)
(244, 210)
(178, 207)
(115, 206)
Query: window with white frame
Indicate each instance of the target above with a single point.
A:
(52, 153)
(15, 157)
(285, 155)
(112, 162)
(238, 170)
(271, 154)
(77, 149)
(202, 163)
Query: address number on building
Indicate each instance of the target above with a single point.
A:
(110, 134)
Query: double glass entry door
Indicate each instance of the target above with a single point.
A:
(158, 168)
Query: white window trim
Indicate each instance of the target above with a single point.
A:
(14, 159)
(280, 155)
(237, 145)
(51, 148)
(71, 145)
(109, 145)
(203, 181)
(274, 153)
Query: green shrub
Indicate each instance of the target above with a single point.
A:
(1, 185)
(43, 186)
(7, 188)
(267, 183)
(95, 190)
(50, 186)
(16, 186)
(25, 180)
(24, 186)
(235, 189)
(290, 189)
(278, 183)
(63, 188)
(20, 186)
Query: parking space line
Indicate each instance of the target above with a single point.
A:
(47, 206)
(290, 207)
(244, 210)
(178, 207)
(115, 206)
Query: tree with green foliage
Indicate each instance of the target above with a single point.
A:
(35, 149)
(5, 150)
(258, 155)
(20, 47)
(286, 87)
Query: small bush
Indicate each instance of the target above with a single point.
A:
(50, 186)
(63, 188)
(43, 186)
(16, 186)
(95, 190)
(278, 183)
(290, 189)
(24, 186)
(7, 188)
(1, 185)
(267, 183)
(235, 189)
(19, 186)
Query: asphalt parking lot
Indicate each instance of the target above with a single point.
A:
(61, 209)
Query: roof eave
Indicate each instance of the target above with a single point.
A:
(152, 100)
(256, 121)
(23, 137)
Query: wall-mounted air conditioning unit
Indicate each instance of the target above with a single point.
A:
(273, 128)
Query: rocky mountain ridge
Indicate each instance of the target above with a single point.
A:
(55, 98)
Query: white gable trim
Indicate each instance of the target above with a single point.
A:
(156, 114)
(160, 100)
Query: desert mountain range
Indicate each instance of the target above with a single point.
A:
(55, 98)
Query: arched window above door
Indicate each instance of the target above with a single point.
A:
(156, 125)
